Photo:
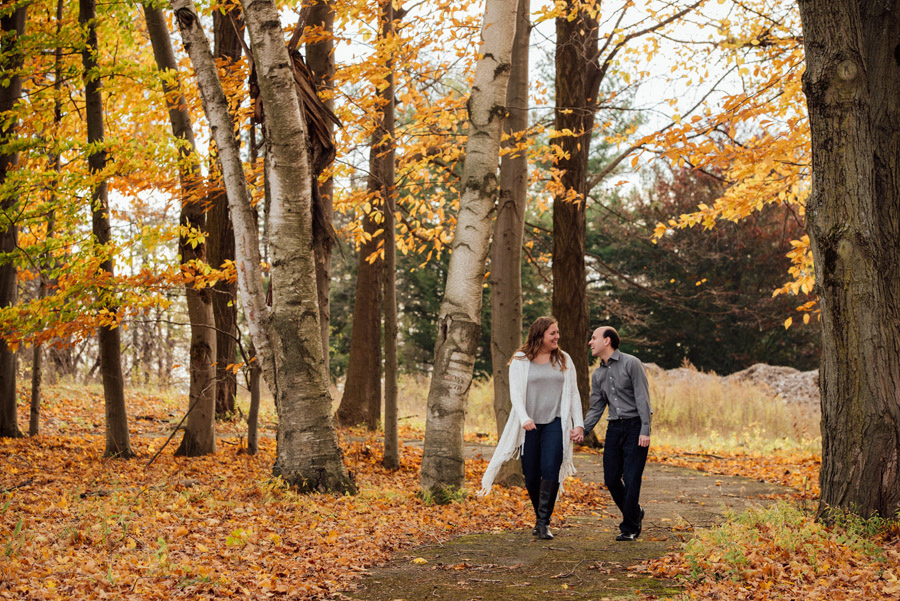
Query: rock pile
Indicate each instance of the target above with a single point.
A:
(792, 385)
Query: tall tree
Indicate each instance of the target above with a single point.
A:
(12, 28)
(506, 250)
(288, 339)
(118, 443)
(199, 435)
(320, 58)
(391, 459)
(227, 36)
(443, 464)
(852, 86)
(37, 362)
(576, 46)
(361, 402)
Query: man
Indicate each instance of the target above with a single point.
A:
(621, 384)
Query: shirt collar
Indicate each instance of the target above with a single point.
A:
(614, 357)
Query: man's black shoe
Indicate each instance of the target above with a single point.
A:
(627, 537)
(640, 522)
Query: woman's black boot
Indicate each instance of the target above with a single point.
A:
(534, 493)
(546, 502)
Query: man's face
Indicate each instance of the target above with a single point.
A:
(597, 342)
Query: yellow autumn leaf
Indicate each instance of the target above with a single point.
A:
(420, 561)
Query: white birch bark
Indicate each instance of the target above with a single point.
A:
(288, 341)
(308, 454)
(443, 466)
(246, 237)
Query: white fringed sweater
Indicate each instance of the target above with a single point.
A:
(513, 437)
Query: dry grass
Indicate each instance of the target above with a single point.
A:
(701, 412)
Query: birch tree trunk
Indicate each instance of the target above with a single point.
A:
(852, 86)
(308, 454)
(320, 59)
(199, 436)
(576, 49)
(118, 442)
(12, 27)
(226, 48)
(288, 342)
(506, 250)
(443, 466)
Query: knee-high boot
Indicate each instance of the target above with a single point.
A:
(546, 502)
(534, 493)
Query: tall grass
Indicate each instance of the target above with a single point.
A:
(691, 409)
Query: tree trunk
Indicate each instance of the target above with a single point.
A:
(320, 59)
(12, 27)
(227, 45)
(288, 341)
(391, 459)
(852, 86)
(506, 250)
(361, 401)
(110, 349)
(576, 47)
(37, 363)
(308, 454)
(253, 413)
(199, 435)
(459, 325)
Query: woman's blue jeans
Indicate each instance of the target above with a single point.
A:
(542, 455)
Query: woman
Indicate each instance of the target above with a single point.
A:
(545, 407)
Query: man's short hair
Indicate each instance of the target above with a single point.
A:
(610, 332)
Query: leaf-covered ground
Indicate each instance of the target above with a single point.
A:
(76, 526)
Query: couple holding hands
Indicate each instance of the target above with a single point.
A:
(546, 404)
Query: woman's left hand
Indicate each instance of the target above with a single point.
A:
(576, 434)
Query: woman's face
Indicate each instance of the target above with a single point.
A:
(550, 341)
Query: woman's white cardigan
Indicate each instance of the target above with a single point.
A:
(513, 437)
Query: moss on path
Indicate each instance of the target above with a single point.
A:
(583, 562)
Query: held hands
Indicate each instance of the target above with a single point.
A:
(576, 434)
(643, 441)
(529, 425)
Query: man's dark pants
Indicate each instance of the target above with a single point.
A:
(623, 467)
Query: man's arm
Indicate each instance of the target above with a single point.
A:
(598, 405)
(641, 395)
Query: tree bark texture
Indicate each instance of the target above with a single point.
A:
(320, 59)
(12, 27)
(199, 435)
(576, 49)
(308, 455)
(118, 442)
(391, 459)
(253, 413)
(852, 86)
(227, 28)
(506, 249)
(459, 323)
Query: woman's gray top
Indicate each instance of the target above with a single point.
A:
(543, 392)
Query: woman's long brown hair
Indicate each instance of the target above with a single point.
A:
(534, 340)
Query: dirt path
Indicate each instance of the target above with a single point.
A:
(583, 562)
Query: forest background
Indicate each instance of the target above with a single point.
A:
(685, 130)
